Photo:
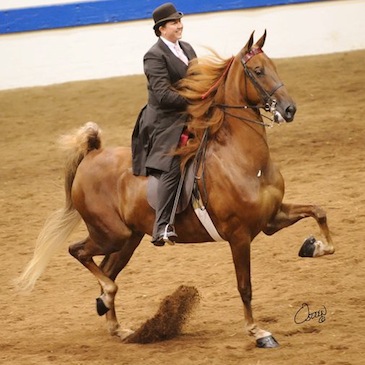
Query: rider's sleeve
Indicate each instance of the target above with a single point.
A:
(160, 83)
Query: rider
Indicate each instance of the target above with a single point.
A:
(161, 122)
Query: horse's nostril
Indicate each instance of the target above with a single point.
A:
(290, 111)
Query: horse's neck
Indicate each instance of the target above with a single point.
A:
(239, 150)
(247, 132)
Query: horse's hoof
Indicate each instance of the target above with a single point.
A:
(267, 342)
(101, 308)
(308, 247)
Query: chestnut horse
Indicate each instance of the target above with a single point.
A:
(243, 187)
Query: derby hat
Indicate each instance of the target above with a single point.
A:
(164, 13)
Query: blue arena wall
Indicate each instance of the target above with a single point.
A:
(113, 11)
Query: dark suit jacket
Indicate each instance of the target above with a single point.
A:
(161, 121)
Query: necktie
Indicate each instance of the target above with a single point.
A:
(181, 54)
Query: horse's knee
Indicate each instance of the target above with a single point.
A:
(320, 213)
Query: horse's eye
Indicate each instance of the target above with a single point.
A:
(259, 71)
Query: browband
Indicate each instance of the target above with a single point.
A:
(251, 53)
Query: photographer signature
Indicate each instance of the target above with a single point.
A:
(305, 315)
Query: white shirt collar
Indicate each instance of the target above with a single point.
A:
(170, 45)
(179, 53)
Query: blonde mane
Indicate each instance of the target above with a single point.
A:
(203, 88)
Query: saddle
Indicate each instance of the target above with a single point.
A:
(186, 191)
(189, 195)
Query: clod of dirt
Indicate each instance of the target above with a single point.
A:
(170, 318)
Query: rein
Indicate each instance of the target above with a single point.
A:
(199, 160)
(217, 83)
(270, 125)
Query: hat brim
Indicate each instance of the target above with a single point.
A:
(177, 15)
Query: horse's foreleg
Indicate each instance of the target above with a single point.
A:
(289, 214)
(112, 265)
(241, 259)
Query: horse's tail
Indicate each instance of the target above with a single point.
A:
(60, 224)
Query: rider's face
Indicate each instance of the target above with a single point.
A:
(172, 30)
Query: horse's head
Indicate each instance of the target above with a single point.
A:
(261, 84)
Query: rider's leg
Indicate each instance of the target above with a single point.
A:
(166, 192)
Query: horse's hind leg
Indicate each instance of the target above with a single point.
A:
(112, 265)
(289, 214)
(84, 252)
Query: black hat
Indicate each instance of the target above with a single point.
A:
(164, 13)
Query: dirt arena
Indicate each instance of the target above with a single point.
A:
(322, 158)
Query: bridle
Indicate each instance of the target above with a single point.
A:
(269, 104)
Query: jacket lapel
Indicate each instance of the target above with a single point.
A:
(175, 62)
(186, 50)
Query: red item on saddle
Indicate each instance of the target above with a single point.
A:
(184, 138)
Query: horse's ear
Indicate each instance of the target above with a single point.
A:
(260, 43)
(248, 45)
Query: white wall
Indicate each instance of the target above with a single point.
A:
(47, 57)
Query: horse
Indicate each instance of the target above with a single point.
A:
(242, 186)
